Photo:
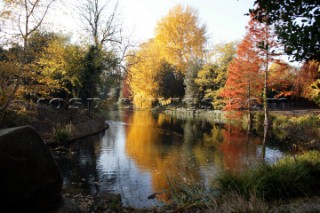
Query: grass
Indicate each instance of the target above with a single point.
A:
(301, 122)
(289, 178)
(253, 191)
(188, 196)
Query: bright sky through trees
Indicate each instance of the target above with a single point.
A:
(225, 19)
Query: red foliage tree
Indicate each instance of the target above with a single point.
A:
(268, 49)
(244, 82)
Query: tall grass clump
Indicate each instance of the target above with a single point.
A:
(188, 196)
(193, 197)
(289, 178)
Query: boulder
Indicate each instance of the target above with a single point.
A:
(30, 180)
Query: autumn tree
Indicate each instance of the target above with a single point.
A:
(57, 67)
(268, 49)
(181, 36)
(243, 82)
(26, 17)
(281, 80)
(144, 74)
(307, 83)
(8, 69)
(212, 77)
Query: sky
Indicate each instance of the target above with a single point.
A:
(224, 19)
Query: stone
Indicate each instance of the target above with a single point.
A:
(30, 180)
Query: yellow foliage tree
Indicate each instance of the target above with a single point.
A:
(143, 74)
(180, 36)
(50, 68)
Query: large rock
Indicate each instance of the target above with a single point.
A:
(30, 180)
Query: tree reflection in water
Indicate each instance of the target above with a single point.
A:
(141, 150)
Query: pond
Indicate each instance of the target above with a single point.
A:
(141, 151)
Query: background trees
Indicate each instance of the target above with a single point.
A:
(174, 64)
(161, 66)
(101, 22)
(26, 17)
(213, 75)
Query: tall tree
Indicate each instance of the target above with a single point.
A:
(26, 16)
(297, 24)
(181, 36)
(144, 74)
(268, 49)
(58, 65)
(244, 82)
(101, 22)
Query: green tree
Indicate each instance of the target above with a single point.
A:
(212, 77)
(171, 82)
(297, 25)
(101, 22)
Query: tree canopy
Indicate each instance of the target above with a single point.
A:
(297, 25)
(181, 36)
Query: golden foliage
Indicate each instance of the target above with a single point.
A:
(143, 74)
(180, 36)
(8, 71)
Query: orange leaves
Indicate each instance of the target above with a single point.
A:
(305, 83)
(244, 81)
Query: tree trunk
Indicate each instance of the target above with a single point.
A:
(265, 90)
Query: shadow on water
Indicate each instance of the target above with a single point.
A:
(140, 150)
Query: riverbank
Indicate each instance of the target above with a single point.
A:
(55, 126)
(300, 127)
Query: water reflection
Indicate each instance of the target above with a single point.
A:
(140, 150)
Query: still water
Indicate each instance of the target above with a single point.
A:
(140, 151)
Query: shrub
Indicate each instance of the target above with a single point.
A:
(61, 135)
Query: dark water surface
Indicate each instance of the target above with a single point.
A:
(140, 151)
